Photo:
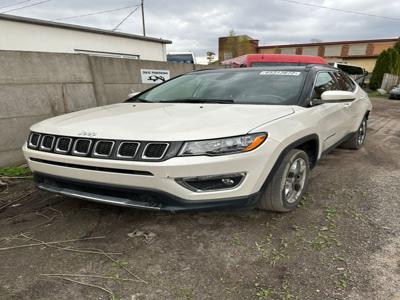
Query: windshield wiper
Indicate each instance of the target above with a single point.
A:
(198, 100)
(138, 100)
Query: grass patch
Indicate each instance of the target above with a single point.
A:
(265, 293)
(375, 94)
(322, 241)
(273, 255)
(283, 292)
(15, 171)
(185, 293)
(236, 241)
(343, 281)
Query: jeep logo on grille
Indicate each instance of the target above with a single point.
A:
(87, 133)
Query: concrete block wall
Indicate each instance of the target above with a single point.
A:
(37, 85)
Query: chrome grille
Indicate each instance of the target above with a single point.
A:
(34, 140)
(107, 149)
(63, 145)
(103, 148)
(82, 147)
(155, 150)
(47, 143)
(127, 149)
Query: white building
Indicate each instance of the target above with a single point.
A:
(26, 34)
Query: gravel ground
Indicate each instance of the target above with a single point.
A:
(343, 242)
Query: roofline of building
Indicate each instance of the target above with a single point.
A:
(331, 43)
(13, 18)
(352, 56)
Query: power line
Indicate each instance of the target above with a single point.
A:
(8, 5)
(123, 20)
(341, 10)
(97, 13)
(26, 6)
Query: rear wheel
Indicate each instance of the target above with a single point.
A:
(357, 139)
(285, 190)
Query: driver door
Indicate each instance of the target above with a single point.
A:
(331, 116)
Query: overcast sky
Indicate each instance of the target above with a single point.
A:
(196, 25)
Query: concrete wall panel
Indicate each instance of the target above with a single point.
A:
(14, 131)
(30, 100)
(78, 96)
(34, 67)
(11, 158)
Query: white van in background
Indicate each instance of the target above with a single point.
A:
(356, 72)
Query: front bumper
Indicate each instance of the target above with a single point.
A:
(133, 198)
(154, 178)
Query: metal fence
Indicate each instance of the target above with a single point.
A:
(390, 81)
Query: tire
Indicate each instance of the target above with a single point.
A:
(274, 195)
(357, 139)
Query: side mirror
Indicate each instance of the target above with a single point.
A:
(337, 96)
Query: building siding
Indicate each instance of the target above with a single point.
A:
(20, 36)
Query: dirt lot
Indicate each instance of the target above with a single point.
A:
(342, 243)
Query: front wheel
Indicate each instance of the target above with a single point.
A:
(357, 139)
(285, 190)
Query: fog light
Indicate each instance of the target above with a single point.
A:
(212, 183)
(228, 181)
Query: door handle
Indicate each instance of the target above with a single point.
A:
(347, 105)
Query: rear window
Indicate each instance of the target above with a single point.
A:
(351, 70)
(239, 87)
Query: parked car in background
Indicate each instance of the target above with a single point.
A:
(181, 57)
(208, 139)
(263, 60)
(395, 93)
(359, 74)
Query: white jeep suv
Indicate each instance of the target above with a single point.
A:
(208, 139)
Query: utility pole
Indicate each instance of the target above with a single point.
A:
(144, 25)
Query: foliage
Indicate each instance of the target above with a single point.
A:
(232, 33)
(210, 57)
(388, 62)
(397, 46)
(15, 171)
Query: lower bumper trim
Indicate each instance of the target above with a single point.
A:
(132, 197)
(96, 198)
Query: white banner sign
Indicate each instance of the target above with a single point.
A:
(154, 76)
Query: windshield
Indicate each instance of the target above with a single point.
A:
(238, 87)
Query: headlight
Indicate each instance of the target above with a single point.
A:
(224, 146)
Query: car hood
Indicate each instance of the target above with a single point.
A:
(163, 121)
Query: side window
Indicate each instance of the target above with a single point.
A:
(343, 82)
(324, 82)
(349, 81)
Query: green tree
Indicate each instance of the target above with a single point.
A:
(388, 62)
(381, 67)
(210, 57)
(394, 62)
(397, 46)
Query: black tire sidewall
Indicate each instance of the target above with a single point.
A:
(273, 192)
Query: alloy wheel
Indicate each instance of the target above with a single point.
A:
(295, 180)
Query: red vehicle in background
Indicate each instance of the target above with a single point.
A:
(260, 60)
